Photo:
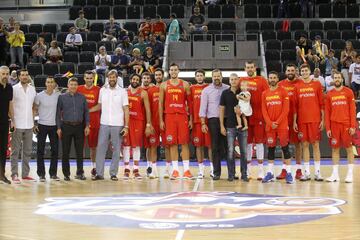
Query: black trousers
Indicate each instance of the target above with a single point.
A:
(45, 131)
(4, 131)
(217, 144)
(69, 133)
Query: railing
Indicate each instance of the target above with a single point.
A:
(166, 56)
(262, 55)
(35, 3)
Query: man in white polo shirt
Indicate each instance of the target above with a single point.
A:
(114, 122)
(23, 99)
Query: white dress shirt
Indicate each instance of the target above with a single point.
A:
(23, 106)
(112, 101)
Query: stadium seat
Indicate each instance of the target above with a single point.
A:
(87, 56)
(51, 69)
(348, 34)
(315, 33)
(82, 67)
(296, 25)
(333, 34)
(66, 67)
(97, 27)
(167, 2)
(326, 42)
(119, 12)
(264, 11)
(338, 11)
(72, 57)
(267, 26)
(163, 11)
(66, 26)
(108, 45)
(298, 33)
(107, 2)
(79, 2)
(356, 43)
(288, 55)
(151, 2)
(103, 12)
(324, 10)
(89, 46)
(345, 25)
(74, 12)
(51, 28)
(250, 11)
(228, 27)
(39, 81)
(275, 9)
(261, 2)
(179, 10)
(337, 44)
(94, 36)
(315, 25)
(252, 26)
(24, 28)
(137, 2)
(31, 37)
(246, 2)
(34, 69)
(131, 27)
(61, 81)
(267, 35)
(149, 11)
(288, 44)
(330, 25)
(283, 35)
(274, 66)
(295, 10)
(35, 28)
(273, 44)
(181, 2)
(214, 11)
(352, 11)
(93, 2)
(90, 12)
(120, 2)
(48, 37)
(228, 11)
(272, 55)
(214, 27)
(61, 36)
(133, 12)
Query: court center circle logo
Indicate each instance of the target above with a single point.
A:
(189, 210)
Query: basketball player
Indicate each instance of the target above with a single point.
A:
(139, 111)
(340, 122)
(256, 133)
(309, 119)
(173, 115)
(199, 139)
(91, 93)
(289, 84)
(275, 110)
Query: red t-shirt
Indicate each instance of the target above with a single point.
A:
(275, 108)
(136, 104)
(195, 98)
(158, 28)
(146, 29)
(154, 93)
(256, 86)
(340, 107)
(92, 98)
(290, 86)
(175, 98)
(309, 101)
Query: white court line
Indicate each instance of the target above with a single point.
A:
(180, 233)
(15, 237)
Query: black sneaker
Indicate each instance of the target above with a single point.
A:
(230, 179)
(5, 181)
(236, 178)
(114, 178)
(97, 177)
(245, 179)
(55, 178)
(80, 177)
(215, 178)
(148, 171)
(93, 172)
(67, 178)
(42, 179)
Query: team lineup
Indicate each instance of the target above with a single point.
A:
(252, 110)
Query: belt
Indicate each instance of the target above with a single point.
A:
(72, 123)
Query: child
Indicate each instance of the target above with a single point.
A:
(244, 104)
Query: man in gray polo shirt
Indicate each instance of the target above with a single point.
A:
(45, 105)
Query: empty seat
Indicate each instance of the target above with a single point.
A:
(267, 35)
(272, 55)
(83, 35)
(83, 67)
(35, 28)
(66, 26)
(345, 25)
(107, 2)
(133, 12)
(324, 10)
(296, 25)
(228, 27)
(79, 2)
(51, 28)
(356, 43)
(119, 12)
(264, 11)
(299, 33)
(48, 37)
(93, 2)
(137, 2)
(94, 36)
(61, 36)
(108, 45)
(288, 55)
(97, 27)
(214, 11)
(168, 2)
(348, 34)
(279, 25)
(274, 66)
(330, 25)
(252, 26)
(315, 33)
(87, 56)
(163, 11)
(315, 25)
(337, 44)
(326, 42)
(89, 46)
(149, 11)
(131, 27)
(338, 11)
(32, 37)
(120, 2)
(333, 34)
(72, 57)
(34, 69)
(39, 81)
(267, 26)
(24, 28)
(90, 12)
(283, 35)
(288, 44)
(103, 12)
(51, 69)
(273, 44)
(178, 10)
(352, 11)
(214, 27)
(250, 11)
(295, 10)
(74, 12)
(151, 2)
(66, 67)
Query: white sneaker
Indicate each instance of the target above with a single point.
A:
(318, 177)
(200, 176)
(15, 179)
(167, 174)
(349, 178)
(260, 176)
(153, 175)
(212, 174)
(333, 178)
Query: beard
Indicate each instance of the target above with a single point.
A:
(135, 85)
(112, 83)
(291, 77)
(272, 84)
(337, 84)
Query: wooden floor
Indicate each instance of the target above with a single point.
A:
(21, 218)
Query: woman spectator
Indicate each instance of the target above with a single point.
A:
(347, 57)
(151, 62)
(39, 51)
(54, 54)
(16, 40)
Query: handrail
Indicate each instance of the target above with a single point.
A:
(262, 54)
(166, 56)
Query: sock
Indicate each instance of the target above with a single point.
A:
(126, 154)
(260, 151)
(186, 165)
(307, 167)
(175, 165)
(261, 169)
(249, 152)
(168, 165)
(284, 166)
(94, 164)
(271, 168)
(350, 168)
(148, 164)
(136, 165)
(154, 169)
(211, 167)
(248, 169)
(201, 168)
(288, 168)
(298, 166)
(317, 167)
(336, 170)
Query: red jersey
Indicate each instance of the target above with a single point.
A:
(154, 93)
(340, 107)
(136, 105)
(175, 98)
(275, 108)
(158, 28)
(309, 101)
(256, 86)
(92, 98)
(146, 29)
(290, 87)
(195, 97)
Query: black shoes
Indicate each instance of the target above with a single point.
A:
(80, 177)
(98, 177)
(148, 171)
(67, 178)
(114, 178)
(231, 179)
(5, 181)
(55, 178)
(42, 179)
(215, 178)
(245, 179)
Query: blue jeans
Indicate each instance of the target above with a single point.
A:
(232, 134)
(17, 52)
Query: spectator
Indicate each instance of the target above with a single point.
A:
(126, 45)
(157, 46)
(358, 32)
(151, 62)
(39, 51)
(354, 75)
(145, 28)
(141, 45)
(73, 40)
(211, 2)
(81, 23)
(13, 78)
(102, 61)
(113, 30)
(197, 22)
(329, 80)
(16, 40)
(317, 77)
(331, 62)
(303, 50)
(320, 51)
(137, 62)
(54, 54)
(174, 30)
(11, 26)
(159, 27)
(346, 59)
(120, 61)
(3, 43)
